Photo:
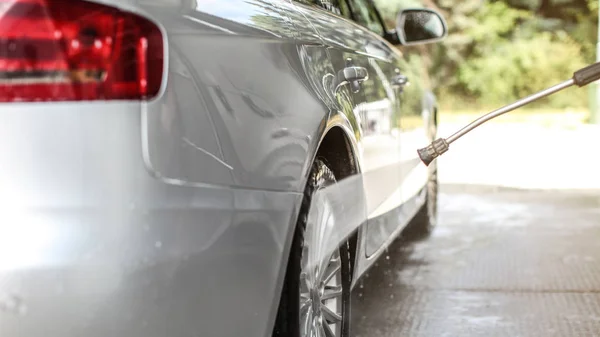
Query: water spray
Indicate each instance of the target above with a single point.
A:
(347, 203)
(440, 146)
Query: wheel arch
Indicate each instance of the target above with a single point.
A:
(338, 152)
(338, 149)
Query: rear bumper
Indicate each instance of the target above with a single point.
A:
(93, 244)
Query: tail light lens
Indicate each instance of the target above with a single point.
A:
(59, 50)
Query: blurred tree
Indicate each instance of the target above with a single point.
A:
(518, 68)
(499, 50)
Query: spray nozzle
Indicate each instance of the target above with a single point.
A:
(581, 78)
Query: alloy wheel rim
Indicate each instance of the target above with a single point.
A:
(321, 302)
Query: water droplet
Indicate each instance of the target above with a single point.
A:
(158, 244)
(359, 294)
(9, 303)
(387, 257)
(12, 304)
(361, 286)
(390, 285)
(392, 296)
(22, 310)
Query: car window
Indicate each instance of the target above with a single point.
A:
(364, 13)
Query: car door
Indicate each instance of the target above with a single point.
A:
(403, 79)
(355, 40)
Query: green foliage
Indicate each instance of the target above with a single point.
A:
(500, 50)
(515, 69)
(390, 8)
(493, 23)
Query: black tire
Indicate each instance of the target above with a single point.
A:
(287, 322)
(426, 218)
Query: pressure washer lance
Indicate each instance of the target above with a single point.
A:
(580, 78)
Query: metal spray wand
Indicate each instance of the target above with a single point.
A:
(580, 78)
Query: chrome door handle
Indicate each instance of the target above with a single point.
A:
(352, 75)
(400, 81)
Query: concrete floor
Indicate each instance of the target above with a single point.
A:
(500, 263)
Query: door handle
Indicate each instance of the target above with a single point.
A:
(400, 81)
(353, 76)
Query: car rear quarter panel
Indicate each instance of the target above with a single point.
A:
(171, 217)
(242, 105)
(91, 244)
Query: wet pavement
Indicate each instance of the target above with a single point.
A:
(500, 263)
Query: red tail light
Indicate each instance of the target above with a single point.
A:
(71, 50)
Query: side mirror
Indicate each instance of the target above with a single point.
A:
(419, 26)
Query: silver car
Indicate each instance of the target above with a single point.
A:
(172, 167)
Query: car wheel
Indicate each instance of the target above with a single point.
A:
(426, 218)
(315, 301)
